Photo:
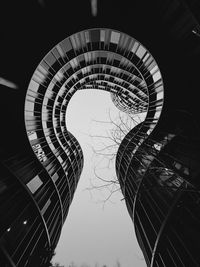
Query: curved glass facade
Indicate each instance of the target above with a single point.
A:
(31, 220)
(103, 59)
(157, 163)
(98, 58)
(159, 187)
(152, 172)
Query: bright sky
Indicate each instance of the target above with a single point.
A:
(94, 233)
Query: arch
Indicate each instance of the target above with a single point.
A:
(103, 59)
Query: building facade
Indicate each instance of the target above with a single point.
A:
(157, 162)
(98, 58)
(35, 200)
(159, 181)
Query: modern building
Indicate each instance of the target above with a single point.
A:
(157, 162)
(89, 59)
(159, 180)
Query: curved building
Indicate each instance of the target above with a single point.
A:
(157, 163)
(35, 200)
(158, 177)
(97, 58)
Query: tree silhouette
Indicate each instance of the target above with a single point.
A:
(164, 174)
(109, 144)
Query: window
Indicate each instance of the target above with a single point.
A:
(135, 46)
(156, 76)
(34, 184)
(55, 177)
(33, 86)
(32, 135)
(141, 51)
(46, 206)
(115, 37)
(29, 106)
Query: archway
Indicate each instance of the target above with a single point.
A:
(102, 59)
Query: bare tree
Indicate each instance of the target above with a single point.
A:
(144, 156)
(119, 127)
(106, 152)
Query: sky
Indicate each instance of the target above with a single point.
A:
(95, 231)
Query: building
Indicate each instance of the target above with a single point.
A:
(159, 180)
(157, 162)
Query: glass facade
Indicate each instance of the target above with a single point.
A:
(102, 59)
(156, 178)
(41, 183)
(156, 163)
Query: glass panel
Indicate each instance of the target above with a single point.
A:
(55, 177)
(134, 47)
(115, 37)
(32, 135)
(29, 106)
(34, 184)
(60, 50)
(141, 51)
(156, 76)
(73, 41)
(155, 68)
(50, 59)
(46, 206)
(66, 45)
(103, 34)
(33, 86)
